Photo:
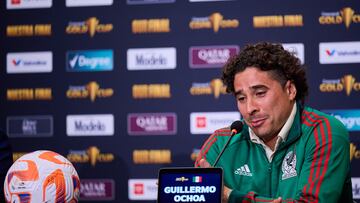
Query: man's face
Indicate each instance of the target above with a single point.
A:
(264, 104)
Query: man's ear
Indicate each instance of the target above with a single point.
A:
(291, 89)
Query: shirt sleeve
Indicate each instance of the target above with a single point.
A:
(325, 173)
(211, 148)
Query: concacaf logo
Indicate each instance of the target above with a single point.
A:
(42, 177)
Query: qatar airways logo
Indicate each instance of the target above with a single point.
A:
(90, 125)
(211, 56)
(142, 189)
(97, 189)
(208, 122)
(152, 124)
(339, 52)
(151, 58)
(82, 3)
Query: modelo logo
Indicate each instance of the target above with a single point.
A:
(142, 189)
(350, 118)
(211, 56)
(30, 126)
(339, 52)
(151, 58)
(208, 122)
(96, 60)
(97, 189)
(29, 62)
(90, 125)
(152, 124)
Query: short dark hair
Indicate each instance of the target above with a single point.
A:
(281, 64)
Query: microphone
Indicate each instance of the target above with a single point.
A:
(235, 127)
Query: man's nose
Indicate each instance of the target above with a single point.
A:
(251, 106)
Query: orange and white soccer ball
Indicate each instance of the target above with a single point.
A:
(42, 177)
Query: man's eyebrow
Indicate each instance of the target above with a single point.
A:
(253, 88)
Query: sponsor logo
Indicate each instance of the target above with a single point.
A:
(181, 179)
(151, 58)
(28, 4)
(97, 189)
(355, 187)
(91, 25)
(339, 52)
(79, 3)
(28, 30)
(151, 91)
(30, 126)
(345, 15)
(20, 94)
(209, 0)
(135, 2)
(144, 156)
(350, 118)
(211, 56)
(346, 83)
(152, 124)
(157, 25)
(194, 154)
(90, 125)
(91, 90)
(208, 122)
(94, 60)
(91, 155)
(278, 21)
(243, 171)
(214, 87)
(354, 152)
(29, 62)
(297, 49)
(215, 21)
(142, 189)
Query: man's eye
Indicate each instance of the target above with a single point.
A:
(260, 93)
(241, 99)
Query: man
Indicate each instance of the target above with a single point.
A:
(286, 152)
(5, 161)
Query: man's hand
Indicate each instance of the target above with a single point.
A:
(278, 200)
(226, 194)
(204, 164)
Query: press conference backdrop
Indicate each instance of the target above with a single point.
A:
(122, 88)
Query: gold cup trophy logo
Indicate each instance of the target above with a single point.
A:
(91, 90)
(346, 15)
(347, 83)
(214, 21)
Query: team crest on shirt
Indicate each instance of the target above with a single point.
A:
(288, 166)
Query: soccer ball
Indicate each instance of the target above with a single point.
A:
(42, 177)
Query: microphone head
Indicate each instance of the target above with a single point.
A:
(236, 126)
